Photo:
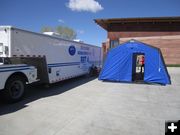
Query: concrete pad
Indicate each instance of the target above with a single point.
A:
(88, 106)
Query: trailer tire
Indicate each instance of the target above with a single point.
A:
(90, 71)
(14, 89)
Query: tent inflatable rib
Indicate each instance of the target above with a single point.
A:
(119, 61)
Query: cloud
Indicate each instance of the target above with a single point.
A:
(60, 20)
(80, 31)
(84, 5)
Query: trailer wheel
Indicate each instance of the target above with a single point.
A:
(90, 71)
(14, 89)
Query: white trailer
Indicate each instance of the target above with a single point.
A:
(43, 58)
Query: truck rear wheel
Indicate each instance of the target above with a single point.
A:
(14, 89)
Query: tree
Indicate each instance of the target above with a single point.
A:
(63, 31)
(66, 32)
(46, 29)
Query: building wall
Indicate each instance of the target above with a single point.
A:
(126, 34)
(169, 45)
(105, 48)
(168, 42)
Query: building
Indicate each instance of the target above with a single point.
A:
(161, 32)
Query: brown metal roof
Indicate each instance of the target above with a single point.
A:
(105, 23)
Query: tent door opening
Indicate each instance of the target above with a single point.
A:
(138, 63)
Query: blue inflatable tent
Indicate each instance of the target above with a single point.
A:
(118, 65)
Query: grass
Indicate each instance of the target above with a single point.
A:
(173, 65)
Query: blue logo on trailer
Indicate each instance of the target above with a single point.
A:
(72, 50)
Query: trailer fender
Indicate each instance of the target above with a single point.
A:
(21, 74)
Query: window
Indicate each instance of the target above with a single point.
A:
(83, 59)
(114, 43)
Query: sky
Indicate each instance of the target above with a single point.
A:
(79, 15)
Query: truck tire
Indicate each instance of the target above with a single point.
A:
(14, 89)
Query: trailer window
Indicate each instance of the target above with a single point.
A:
(83, 59)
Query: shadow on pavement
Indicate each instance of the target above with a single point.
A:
(37, 92)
